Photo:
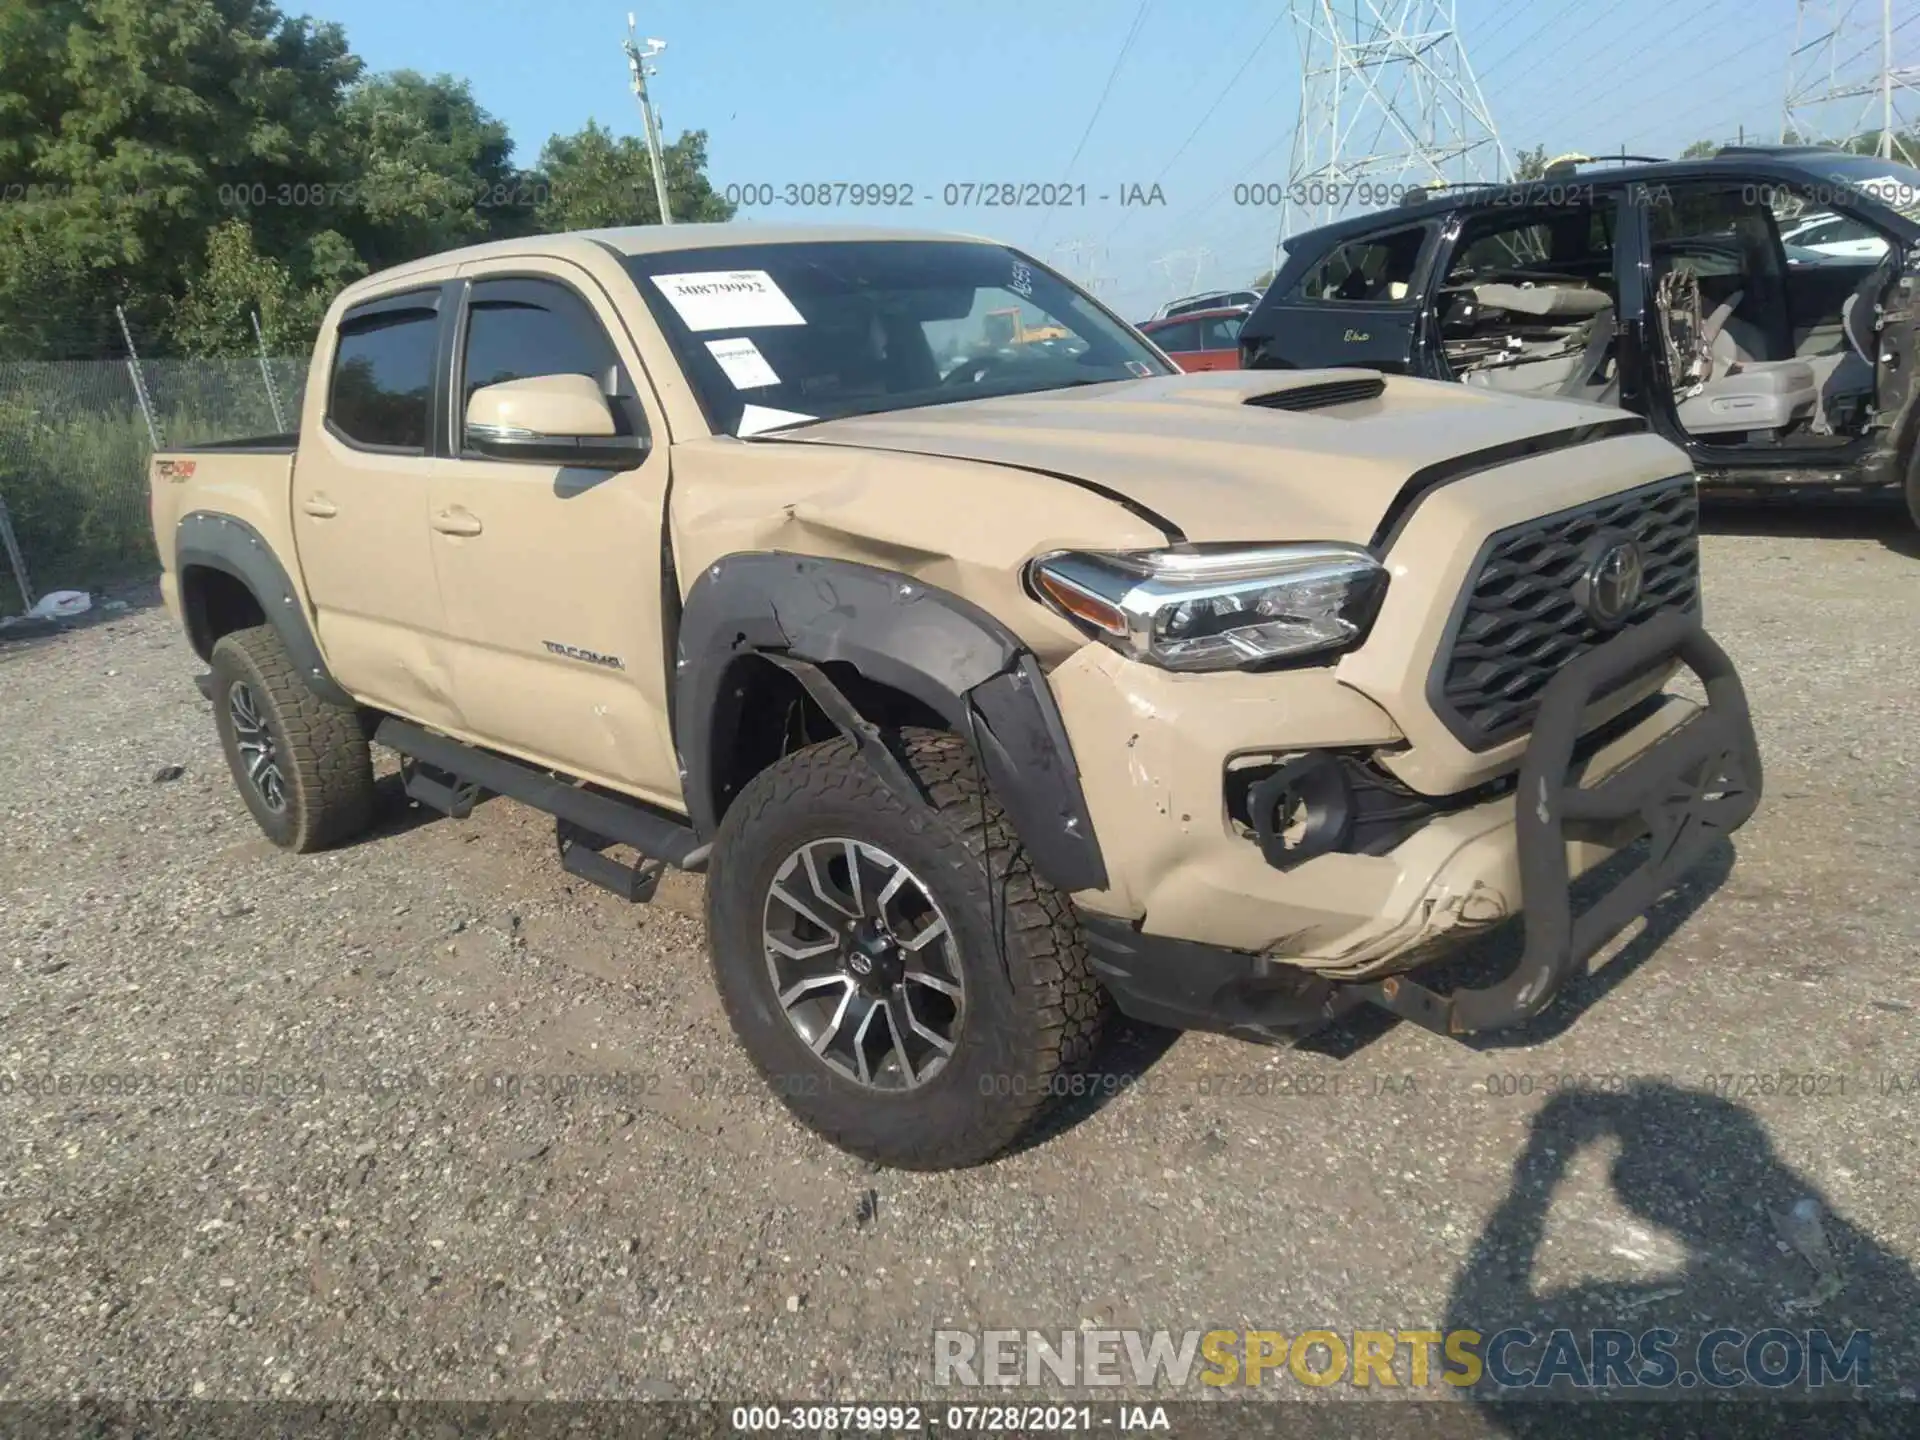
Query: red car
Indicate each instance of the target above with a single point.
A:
(1201, 340)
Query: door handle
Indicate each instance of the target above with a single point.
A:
(457, 522)
(319, 507)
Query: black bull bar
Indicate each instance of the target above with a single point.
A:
(1690, 789)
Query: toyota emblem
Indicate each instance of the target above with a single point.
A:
(1609, 586)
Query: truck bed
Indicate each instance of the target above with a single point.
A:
(249, 482)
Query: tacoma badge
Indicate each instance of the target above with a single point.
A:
(592, 657)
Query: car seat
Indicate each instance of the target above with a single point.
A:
(1741, 392)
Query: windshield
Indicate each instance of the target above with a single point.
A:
(1894, 185)
(771, 335)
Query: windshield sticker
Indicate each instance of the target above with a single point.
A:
(1022, 282)
(758, 419)
(1141, 368)
(728, 299)
(743, 363)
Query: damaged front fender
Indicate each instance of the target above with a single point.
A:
(896, 631)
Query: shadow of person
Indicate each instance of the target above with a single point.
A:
(1726, 1225)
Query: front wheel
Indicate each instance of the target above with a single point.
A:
(896, 972)
(1913, 483)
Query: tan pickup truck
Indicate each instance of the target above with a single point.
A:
(988, 684)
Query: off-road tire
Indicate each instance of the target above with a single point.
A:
(321, 751)
(1029, 1022)
(1912, 486)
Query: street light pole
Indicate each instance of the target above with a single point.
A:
(637, 65)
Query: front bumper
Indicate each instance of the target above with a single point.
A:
(1682, 794)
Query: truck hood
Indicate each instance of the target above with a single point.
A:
(1227, 455)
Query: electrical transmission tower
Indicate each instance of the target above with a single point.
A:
(1844, 83)
(1080, 260)
(1387, 101)
(1199, 255)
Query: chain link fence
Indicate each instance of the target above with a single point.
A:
(74, 447)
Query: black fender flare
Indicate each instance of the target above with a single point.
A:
(897, 631)
(220, 542)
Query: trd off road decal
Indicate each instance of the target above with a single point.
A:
(176, 470)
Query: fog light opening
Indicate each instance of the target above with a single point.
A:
(1303, 809)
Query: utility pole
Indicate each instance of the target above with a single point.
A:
(637, 66)
(1886, 79)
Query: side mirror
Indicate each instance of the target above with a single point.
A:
(552, 419)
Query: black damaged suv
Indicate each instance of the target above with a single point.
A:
(1664, 288)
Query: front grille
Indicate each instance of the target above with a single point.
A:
(1518, 623)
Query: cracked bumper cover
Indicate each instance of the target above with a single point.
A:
(1683, 791)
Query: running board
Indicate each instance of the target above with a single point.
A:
(438, 789)
(447, 775)
(580, 854)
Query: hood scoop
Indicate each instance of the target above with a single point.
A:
(1322, 395)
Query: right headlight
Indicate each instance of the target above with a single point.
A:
(1216, 607)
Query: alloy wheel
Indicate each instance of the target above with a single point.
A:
(254, 740)
(864, 963)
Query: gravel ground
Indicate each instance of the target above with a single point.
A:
(424, 1117)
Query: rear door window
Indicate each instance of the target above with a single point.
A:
(380, 395)
(1221, 333)
(1181, 337)
(1377, 269)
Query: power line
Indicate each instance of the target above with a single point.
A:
(1721, 61)
(1113, 73)
(1505, 55)
(1252, 55)
(1133, 33)
(1611, 76)
(1229, 182)
(1199, 125)
(1500, 10)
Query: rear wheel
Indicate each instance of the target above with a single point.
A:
(897, 972)
(301, 764)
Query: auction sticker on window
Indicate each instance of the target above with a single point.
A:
(743, 363)
(728, 299)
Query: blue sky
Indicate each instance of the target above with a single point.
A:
(933, 92)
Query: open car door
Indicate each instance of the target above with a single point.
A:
(1359, 304)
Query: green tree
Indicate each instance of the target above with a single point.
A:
(1530, 164)
(215, 315)
(129, 127)
(595, 178)
(429, 169)
(1700, 150)
(194, 160)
